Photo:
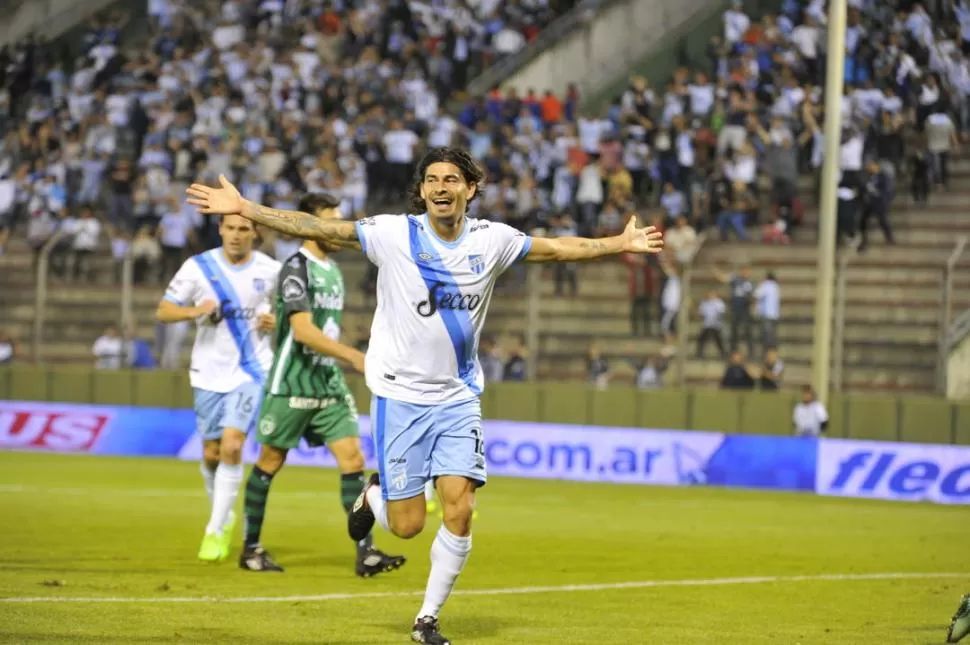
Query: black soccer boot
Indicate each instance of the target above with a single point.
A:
(425, 631)
(360, 519)
(372, 561)
(258, 559)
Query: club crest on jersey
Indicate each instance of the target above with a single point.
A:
(424, 257)
(259, 285)
(477, 263)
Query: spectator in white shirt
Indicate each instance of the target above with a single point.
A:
(400, 147)
(681, 240)
(806, 40)
(768, 299)
(589, 196)
(702, 96)
(712, 310)
(272, 161)
(670, 300)
(673, 201)
(736, 23)
(146, 254)
(174, 232)
(87, 235)
(941, 139)
(8, 349)
(810, 417)
(109, 350)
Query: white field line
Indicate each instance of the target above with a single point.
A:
(130, 492)
(506, 591)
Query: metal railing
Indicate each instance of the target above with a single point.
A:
(40, 294)
(946, 337)
(683, 314)
(838, 333)
(533, 299)
(127, 295)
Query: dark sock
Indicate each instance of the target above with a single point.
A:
(257, 490)
(351, 485)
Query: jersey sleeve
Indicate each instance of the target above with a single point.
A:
(184, 290)
(510, 245)
(377, 235)
(292, 288)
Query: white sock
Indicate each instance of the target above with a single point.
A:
(449, 553)
(378, 506)
(227, 481)
(208, 478)
(429, 491)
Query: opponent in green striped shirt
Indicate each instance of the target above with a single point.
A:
(306, 395)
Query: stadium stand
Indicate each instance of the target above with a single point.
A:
(343, 102)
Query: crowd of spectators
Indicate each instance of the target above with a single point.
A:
(292, 96)
(283, 96)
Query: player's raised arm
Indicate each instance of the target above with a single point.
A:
(633, 239)
(226, 200)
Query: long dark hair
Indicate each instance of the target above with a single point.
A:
(471, 172)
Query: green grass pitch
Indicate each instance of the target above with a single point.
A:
(549, 560)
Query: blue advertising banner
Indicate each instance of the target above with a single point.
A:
(894, 471)
(580, 453)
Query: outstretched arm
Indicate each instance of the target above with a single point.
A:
(303, 225)
(571, 249)
(577, 249)
(226, 200)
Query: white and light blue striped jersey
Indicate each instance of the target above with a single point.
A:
(232, 351)
(432, 297)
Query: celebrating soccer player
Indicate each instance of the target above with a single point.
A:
(227, 291)
(436, 275)
(306, 395)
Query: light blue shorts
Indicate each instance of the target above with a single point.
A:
(217, 410)
(416, 443)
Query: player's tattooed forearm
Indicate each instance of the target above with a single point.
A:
(594, 245)
(302, 225)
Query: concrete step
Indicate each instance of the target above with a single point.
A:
(557, 315)
(888, 354)
(593, 290)
(790, 332)
(709, 373)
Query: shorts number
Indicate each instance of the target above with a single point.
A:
(245, 404)
(479, 442)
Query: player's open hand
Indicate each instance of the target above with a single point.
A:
(641, 239)
(224, 200)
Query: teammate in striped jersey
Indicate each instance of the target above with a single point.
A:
(306, 396)
(227, 291)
